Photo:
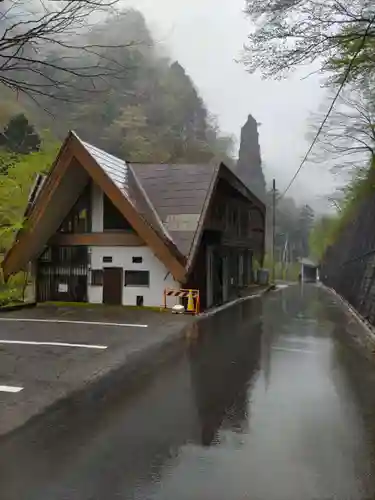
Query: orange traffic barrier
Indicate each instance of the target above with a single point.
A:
(193, 296)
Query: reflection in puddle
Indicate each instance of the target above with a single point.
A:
(241, 413)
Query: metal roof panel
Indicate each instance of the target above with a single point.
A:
(178, 190)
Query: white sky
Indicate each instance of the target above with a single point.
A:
(206, 36)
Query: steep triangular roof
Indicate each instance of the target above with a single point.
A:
(179, 194)
(182, 195)
(76, 163)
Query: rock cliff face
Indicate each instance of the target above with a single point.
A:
(249, 166)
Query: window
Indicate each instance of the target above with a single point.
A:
(96, 277)
(79, 218)
(137, 260)
(107, 260)
(137, 278)
(113, 218)
(46, 255)
(140, 301)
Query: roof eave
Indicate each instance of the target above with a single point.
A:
(164, 250)
(199, 232)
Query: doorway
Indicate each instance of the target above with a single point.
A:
(112, 286)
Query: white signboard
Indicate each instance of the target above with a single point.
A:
(182, 222)
(63, 288)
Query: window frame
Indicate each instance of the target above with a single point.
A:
(133, 272)
(97, 273)
(79, 218)
(137, 260)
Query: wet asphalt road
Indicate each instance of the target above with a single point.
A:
(270, 400)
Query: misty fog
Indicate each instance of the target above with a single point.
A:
(207, 37)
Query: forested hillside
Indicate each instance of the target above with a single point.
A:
(122, 93)
(293, 228)
(143, 107)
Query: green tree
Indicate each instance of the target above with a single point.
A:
(293, 226)
(290, 33)
(19, 136)
(322, 235)
(15, 187)
(328, 229)
(304, 227)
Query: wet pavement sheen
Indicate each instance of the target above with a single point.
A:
(270, 400)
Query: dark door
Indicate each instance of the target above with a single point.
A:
(112, 286)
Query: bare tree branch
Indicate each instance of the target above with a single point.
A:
(287, 33)
(42, 44)
(347, 142)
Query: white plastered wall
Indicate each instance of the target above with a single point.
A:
(122, 257)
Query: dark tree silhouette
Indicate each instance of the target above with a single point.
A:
(19, 136)
(249, 166)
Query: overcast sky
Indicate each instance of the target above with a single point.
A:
(207, 36)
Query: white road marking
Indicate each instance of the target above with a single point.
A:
(53, 344)
(73, 322)
(284, 349)
(9, 388)
(300, 340)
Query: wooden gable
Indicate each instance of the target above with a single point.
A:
(73, 169)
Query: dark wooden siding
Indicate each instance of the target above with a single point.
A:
(233, 237)
(62, 274)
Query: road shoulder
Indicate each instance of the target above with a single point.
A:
(361, 331)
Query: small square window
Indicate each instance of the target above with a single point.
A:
(137, 260)
(107, 260)
(137, 278)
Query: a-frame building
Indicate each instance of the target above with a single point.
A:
(101, 230)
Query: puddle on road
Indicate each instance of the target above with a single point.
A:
(274, 423)
(244, 413)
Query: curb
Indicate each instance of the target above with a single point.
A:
(18, 307)
(218, 309)
(369, 329)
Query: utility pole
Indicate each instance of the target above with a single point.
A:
(285, 258)
(273, 230)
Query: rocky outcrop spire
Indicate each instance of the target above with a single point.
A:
(249, 166)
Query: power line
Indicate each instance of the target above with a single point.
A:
(346, 75)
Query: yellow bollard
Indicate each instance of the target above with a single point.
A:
(191, 306)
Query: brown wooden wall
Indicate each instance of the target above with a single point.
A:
(106, 239)
(240, 221)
